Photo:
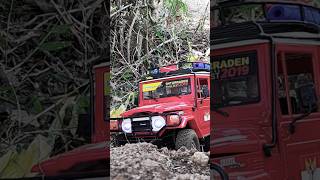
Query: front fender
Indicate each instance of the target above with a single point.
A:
(235, 140)
(186, 120)
(183, 123)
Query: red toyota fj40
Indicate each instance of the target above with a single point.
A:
(173, 107)
(265, 86)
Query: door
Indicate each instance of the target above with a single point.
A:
(300, 140)
(203, 104)
(101, 103)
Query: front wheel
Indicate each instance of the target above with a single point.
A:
(187, 138)
(217, 173)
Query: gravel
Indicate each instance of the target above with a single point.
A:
(145, 161)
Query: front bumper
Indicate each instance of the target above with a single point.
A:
(123, 138)
(134, 137)
(142, 126)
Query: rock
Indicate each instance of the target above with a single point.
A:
(145, 161)
(200, 158)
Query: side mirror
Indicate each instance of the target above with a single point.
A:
(307, 97)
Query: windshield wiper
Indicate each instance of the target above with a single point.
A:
(154, 98)
(180, 93)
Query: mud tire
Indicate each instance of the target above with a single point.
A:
(187, 138)
(214, 168)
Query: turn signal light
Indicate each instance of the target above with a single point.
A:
(114, 125)
(173, 120)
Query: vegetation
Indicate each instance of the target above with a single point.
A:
(46, 48)
(147, 34)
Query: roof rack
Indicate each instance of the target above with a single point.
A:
(275, 17)
(237, 2)
(178, 69)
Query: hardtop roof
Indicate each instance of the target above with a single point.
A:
(249, 30)
(173, 75)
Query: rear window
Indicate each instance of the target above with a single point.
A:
(235, 79)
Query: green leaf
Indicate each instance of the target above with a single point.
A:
(61, 29)
(127, 75)
(80, 107)
(18, 165)
(176, 7)
(54, 46)
(5, 159)
(36, 105)
(73, 124)
(160, 35)
(83, 102)
(116, 112)
(107, 88)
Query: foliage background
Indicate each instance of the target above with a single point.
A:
(46, 47)
(148, 33)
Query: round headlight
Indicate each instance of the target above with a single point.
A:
(126, 126)
(158, 123)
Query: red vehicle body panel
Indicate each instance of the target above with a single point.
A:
(239, 138)
(61, 165)
(101, 127)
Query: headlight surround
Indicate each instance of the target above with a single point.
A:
(114, 125)
(126, 126)
(158, 122)
(173, 120)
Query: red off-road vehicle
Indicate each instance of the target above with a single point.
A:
(173, 108)
(92, 160)
(265, 87)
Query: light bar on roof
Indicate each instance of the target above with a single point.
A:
(275, 11)
(193, 66)
(312, 15)
(169, 68)
(154, 71)
(284, 12)
(293, 12)
(201, 66)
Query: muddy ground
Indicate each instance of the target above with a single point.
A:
(145, 161)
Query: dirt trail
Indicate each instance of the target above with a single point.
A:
(145, 161)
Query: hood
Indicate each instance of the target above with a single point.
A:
(65, 164)
(159, 108)
(234, 141)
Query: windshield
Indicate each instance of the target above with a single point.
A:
(235, 79)
(169, 88)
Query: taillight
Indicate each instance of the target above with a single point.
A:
(173, 120)
(114, 125)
